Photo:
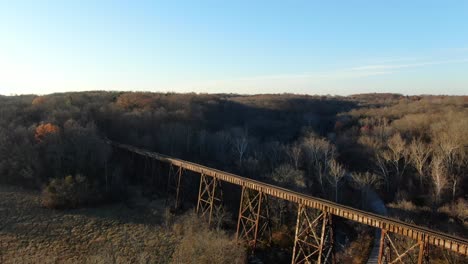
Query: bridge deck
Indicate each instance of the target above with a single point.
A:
(450, 242)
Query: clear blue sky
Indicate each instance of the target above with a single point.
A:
(314, 47)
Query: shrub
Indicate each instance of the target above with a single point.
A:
(358, 250)
(200, 245)
(282, 238)
(69, 192)
(457, 210)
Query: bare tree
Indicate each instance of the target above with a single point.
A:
(450, 149)
(285, 175)
(382, 128)
(318, 152)
(419, 153)
(438, 176)
(240, 143)
(364, 181)
(274, 153)
(397, 155)
(379, 158)
(336, 172)
(382, 169)
(202, 142)
(294, 153)
(221, 142)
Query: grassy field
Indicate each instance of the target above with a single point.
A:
(109, 234)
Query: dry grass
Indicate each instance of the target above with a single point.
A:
(457, 210)
(30, 233)
(408, 206)
(201, 245)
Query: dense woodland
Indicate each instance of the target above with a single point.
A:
(411, 150)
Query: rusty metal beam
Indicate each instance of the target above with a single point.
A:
(174, 183)
(253, 221)
(209, 197)
(392, 251)
(313, 241)
(435, 238)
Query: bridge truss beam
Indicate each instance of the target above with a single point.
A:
(253, 222)
(391, 251)
(174, 185)
(313, 241)
(209, 197)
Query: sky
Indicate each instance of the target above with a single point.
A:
(247, 47)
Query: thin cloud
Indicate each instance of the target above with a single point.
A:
(338, 74)
(280, 82)
(461, 49)
(303, 81)
(389, 60)
(401, 66)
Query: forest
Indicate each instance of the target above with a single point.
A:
(412, 151)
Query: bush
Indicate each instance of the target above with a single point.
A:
(358, 250)
(69, 192)
(457, 210)
(200, 245)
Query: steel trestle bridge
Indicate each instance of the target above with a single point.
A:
(313, 241)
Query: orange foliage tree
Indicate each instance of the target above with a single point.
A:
(38, 100)
(45, 129)
(136, 100)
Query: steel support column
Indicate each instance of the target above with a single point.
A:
(174, 185)
(209, 197)
(253, 222)
(313, 242)
(392, 252)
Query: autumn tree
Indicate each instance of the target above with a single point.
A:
(43, 130)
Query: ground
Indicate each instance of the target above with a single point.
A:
(30, 233)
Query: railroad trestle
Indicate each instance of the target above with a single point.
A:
(314, 237)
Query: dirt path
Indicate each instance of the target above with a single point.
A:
(111, 234)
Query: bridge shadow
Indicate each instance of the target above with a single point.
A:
(266, 118)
